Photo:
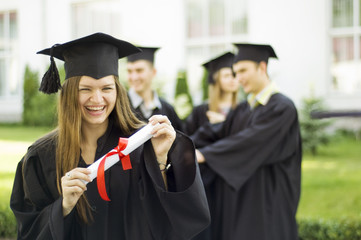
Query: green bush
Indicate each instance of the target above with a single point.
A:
(313, 131)
(38, 109)
(7, 223)
(310, 229)
(183, 100)
(205, 85)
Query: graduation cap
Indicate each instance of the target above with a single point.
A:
(146, 54)
(95, 56)
(254, 52)
(223, 61)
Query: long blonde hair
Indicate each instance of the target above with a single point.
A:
(215, 94)
(69, 132)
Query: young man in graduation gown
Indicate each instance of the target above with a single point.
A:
(256, 153)
(144, 100)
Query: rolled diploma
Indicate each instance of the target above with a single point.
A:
(134, 142)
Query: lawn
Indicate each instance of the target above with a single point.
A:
(330, 180)
(14, 141)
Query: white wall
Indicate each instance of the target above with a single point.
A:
(297, 32)
(158, 23)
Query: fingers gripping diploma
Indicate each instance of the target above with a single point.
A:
(73, 186)
(74, 182)
(163, 136)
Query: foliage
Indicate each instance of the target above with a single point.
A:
(312, 130)
(183, 100)
(335, 172)
(39, 109)
(7, 223)
(205, 85)
(310, 229)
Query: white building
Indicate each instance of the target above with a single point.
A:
(318, 42)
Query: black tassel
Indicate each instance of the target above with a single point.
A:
(51, 80)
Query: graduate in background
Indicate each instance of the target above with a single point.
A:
(149, 201)
(223, 89)
(144, 100)
(256, 154)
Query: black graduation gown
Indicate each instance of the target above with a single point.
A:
(194, 121)
(166, 109)
(140, 207)
(257, 156)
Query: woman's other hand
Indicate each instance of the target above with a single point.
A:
(73, 187)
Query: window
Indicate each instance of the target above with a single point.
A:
(238, 16)
(216, 18)
(212, 27)
(9, 80)
(95, 17)
(346, 46)
(207, 18)
(195, 23)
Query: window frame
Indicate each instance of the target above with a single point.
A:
(8, 54)
(353, 32)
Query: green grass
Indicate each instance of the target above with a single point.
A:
(21, 133)
(14, 141)
(331, 182)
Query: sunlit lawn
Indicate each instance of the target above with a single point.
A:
(14, 141)
(330, 181)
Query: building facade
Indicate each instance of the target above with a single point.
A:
(317, 42)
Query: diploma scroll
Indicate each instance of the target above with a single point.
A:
(134, 141)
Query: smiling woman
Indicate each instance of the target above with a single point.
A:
(97, 100)
(53, 196)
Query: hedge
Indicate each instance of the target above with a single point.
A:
(7, 223)
(319, 229)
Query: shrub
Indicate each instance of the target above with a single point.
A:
(183, 101)
(311, 229)
(38, 109)
(205, 85)
(313, 131)
(7, 223)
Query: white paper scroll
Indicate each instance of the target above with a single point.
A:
(134, 142)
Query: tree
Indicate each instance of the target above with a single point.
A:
(183, 102)
(313, 130)
(38, 109)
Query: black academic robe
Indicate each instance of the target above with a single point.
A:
(257, 156)
(196, 119)
(140, 206)
(166, 109)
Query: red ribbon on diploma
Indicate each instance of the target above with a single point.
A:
(123, 142)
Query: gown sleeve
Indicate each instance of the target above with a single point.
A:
(183, 208)
(196, 119)
(169, 111)
(36, 205)
(272, 137)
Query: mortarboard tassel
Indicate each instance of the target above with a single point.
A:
(51, 80)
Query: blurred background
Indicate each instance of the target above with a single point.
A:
(317, 42)
(319, 48)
